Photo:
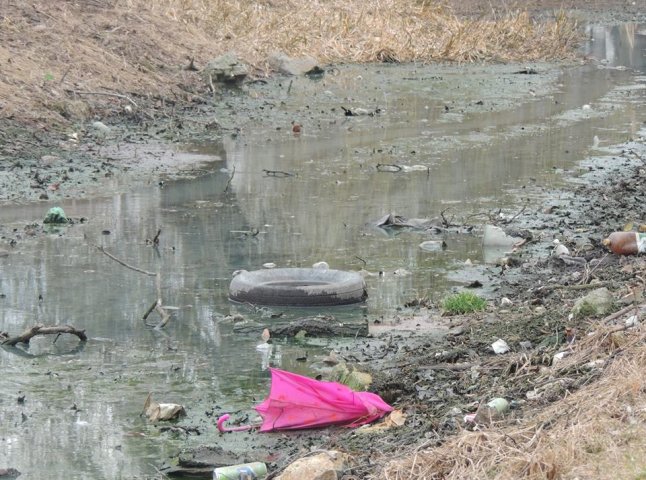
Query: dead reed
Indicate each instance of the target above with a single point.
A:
(596, 432)
(51, 50)
(369, 31)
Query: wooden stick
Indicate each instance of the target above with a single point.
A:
(158, 304)
(108, 94)
(618, 314)
(102, 250)
(43, 330)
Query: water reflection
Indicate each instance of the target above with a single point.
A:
(619, 46)
(80, 417)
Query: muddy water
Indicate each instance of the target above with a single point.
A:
(487, 138)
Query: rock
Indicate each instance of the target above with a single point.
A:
(323, 466)
(597, 302)
(291, 66)
(505, 302)
(101, 127)
(9, 473)
(226, 69)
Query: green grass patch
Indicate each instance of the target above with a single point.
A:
(463, 302)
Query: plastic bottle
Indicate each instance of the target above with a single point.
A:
(626, 243)
(245, 471)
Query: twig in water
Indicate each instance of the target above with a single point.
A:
(518, 214)
(157, 306)
(446, 223)
(277, 173)
(365, 264)
(233, 172)
(102, 250)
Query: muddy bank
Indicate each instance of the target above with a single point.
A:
(435, 368)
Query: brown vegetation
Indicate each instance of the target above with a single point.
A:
(54, 55)
(596, 432)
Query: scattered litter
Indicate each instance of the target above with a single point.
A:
(402, 272)
(499, 404)
(269, 265)
(244, 471)
(560, 356)
(395, 419)
(626, 243)
(359, 112)
(433, 245)
(505, 302)
(396, 168)
(55, 215)
(632, 321)
(321, 265)
(559, 249)
(397, 221)
(296, 402)
(500, 346)
(162, 411)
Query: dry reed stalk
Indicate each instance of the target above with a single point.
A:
(140, 46)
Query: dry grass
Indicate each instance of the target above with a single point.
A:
(48, 49)
(597, 432)
(367, 31)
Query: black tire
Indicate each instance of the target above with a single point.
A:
(303, 287)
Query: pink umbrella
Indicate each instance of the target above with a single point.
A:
(297, 402)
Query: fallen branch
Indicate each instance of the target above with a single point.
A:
(108, 254)
(108, 94)
(233, 172)
(43, 330)
(618, 314)
(277, 173)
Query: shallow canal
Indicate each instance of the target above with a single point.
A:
(487, 137)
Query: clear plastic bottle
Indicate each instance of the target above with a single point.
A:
(626, 243)
(245, 471)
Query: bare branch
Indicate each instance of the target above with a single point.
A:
(43, 330)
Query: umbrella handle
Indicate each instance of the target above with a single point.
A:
(223, 428)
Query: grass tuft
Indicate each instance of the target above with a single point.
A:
(463, 302)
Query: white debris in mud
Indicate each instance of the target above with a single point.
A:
(500, 346)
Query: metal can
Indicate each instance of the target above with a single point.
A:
(244, 471)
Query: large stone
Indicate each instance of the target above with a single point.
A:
(597, 302)
(227, 69)
(323, 466)
(290, 65)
